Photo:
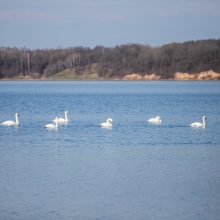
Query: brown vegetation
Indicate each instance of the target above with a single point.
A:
(189, 60)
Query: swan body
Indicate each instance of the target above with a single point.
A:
(61, 120)
(199, 124)
(107, 124)
(155, 120)
(12, 123)
(52, 126)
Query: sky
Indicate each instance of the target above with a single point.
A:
(69, 23)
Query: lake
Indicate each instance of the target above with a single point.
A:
(134, 171)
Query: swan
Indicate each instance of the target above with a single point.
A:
(199, 124)
(155, 120)
(52, 126)
(61, 120)
(106, 124)
(12, 123)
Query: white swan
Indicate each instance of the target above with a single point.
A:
(199, 124)
(12, 123)
(155, 120)
(107, 124)
(61, 120)
(52, 126)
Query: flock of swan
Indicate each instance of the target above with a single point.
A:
(107, 124)
(57, 121)
(196, 124)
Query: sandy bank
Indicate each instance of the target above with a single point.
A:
(136, 76)
(206, 75)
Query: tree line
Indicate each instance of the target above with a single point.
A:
(107, 62)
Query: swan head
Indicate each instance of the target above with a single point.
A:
(204, 117)
(17, 114)
(158, 117)
(66, 112)
(109, 120)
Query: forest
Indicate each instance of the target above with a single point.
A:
(110, 62)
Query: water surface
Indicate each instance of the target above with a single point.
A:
(133, 171)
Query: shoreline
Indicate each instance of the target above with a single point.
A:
(178, 76)
(115, 80)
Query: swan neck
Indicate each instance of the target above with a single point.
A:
(203, 120)
(66, 116)
(16, 119)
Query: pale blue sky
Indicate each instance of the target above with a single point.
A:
(66, 23)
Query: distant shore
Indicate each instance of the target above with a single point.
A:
(191, 60)
(206, 75)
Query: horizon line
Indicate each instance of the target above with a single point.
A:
(116, 45)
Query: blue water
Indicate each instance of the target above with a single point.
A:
(134, 171)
